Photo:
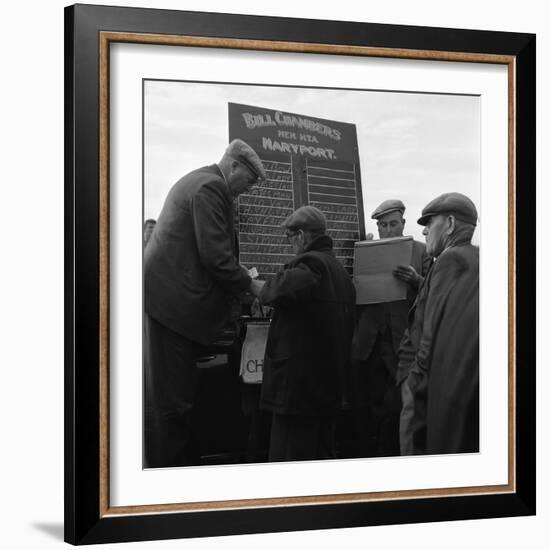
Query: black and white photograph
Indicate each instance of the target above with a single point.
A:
(239, 271)
(310, 273)
(299, 274)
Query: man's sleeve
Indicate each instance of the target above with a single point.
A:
(413, 414)
(214, 242)
(291, 286)
(442, 280)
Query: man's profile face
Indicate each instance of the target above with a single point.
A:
(296, 239)
(435, 233)
(241, 178)
(391, 225)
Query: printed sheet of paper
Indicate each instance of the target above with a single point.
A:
(373, 266)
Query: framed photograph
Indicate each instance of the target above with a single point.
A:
(210, 160)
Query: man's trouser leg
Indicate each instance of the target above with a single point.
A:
(388, 437)
(412, 424)
(170, 377)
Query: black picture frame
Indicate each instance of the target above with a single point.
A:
(88, 518)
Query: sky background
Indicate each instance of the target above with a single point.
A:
(412, 146)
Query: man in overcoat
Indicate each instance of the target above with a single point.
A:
(375, 401)
(309, 340)
(191, 277)
(439, 356)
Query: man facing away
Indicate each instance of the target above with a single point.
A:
(375, 400)
(439, 355)
(191, 277)
(307, 350)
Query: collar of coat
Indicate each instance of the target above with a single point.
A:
(461, 237)
(322, 243)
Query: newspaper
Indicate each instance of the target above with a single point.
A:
(374, 262)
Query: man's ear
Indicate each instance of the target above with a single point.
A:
(404, 221)
(451, 222)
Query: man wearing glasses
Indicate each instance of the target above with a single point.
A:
(191, 276)
(307, 350)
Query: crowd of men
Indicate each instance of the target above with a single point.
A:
(407, 370)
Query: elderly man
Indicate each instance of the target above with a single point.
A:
(191, 276)
(375, 399)
(308, 345)
(439, 356)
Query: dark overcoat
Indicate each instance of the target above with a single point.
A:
(190, 265)
(443, 337)
(308, 346)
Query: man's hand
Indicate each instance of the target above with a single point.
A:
(407, 274)
(369, 237)
(257, 310)
(256, 286)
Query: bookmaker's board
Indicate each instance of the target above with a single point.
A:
(308, 161)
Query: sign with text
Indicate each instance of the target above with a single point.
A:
(253, 351)
(271, 131)
(307, 160)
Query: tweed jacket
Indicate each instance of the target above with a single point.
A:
(190, 267)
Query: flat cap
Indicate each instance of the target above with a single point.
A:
(457, 204)
(243, 153)
(391, 205)
(307, 218)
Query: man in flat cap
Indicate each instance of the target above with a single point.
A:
(191, 276)
(439, 355)
(307, 350)
(375, 401)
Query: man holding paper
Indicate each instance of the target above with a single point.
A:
(380, 326)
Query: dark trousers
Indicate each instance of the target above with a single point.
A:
(169, 382)
(378, 402)
(301, 438)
